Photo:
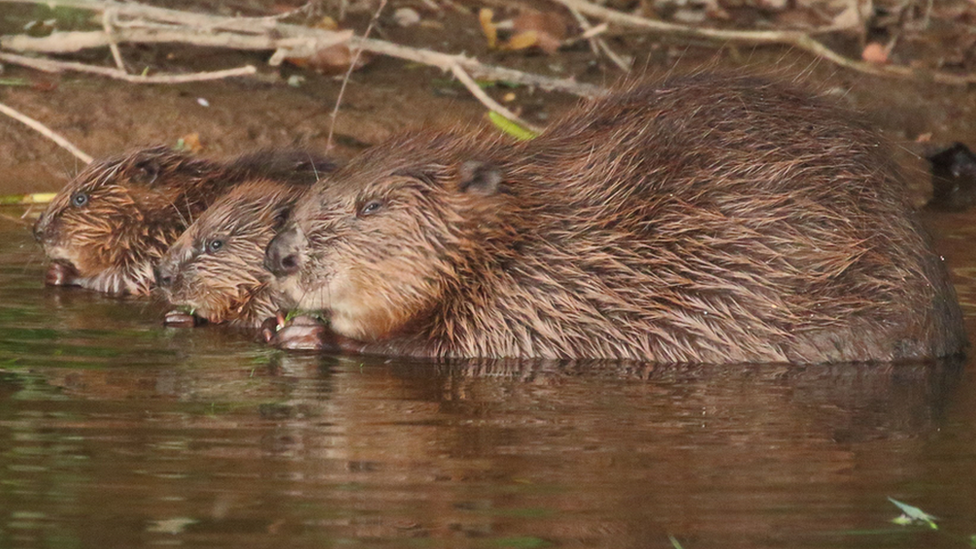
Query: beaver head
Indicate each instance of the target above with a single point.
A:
(379, 245)
(106, 224)
(215, 267)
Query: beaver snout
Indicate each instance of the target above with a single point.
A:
(164, 274)
(283, 255)
(43, 228)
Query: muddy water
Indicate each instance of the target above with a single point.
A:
(117, 432)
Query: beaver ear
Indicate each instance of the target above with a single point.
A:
(146, 170)
(280, 218)
(480, 178)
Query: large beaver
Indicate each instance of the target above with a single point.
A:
(215, 270)
(110, 225)
(708, 219)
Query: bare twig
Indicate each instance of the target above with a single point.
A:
(487, 101)
(345, 79)
(46, 132)
(50, 65)
(107, 19)
(598, 44)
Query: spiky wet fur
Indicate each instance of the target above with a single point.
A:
(230, 284)
(708, 219)
(140, 202)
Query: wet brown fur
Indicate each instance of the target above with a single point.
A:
(139, 203)
(708, 219)
(229, 284)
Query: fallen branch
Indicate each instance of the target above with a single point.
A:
(46, 132)
(50, 65)
(137, 23)
(799, 40)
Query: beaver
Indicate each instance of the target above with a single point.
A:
(110, 224)
(704, 219)
(214, 269)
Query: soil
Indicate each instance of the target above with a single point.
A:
(103, 116)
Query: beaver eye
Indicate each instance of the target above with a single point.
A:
(370, 208)
(79, 199)
(214, 246)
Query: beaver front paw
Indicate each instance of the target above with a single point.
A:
(301, 333)
(181, 319)
(61, 274)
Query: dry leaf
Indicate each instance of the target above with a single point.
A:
(550, 29)
(521, 41)
(191, 142)
(491, 32)
(332, 60)
(326, 23)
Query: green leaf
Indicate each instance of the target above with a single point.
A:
(674, 542)
(511, 128)
(32, 198)
(913, 515)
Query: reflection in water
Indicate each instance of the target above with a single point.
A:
(117, 432)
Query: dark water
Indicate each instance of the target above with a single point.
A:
(116, 432)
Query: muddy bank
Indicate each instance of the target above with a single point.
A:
(104, 116)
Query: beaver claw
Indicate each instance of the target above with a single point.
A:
(302, 333)
(61, 274)
(180, 319)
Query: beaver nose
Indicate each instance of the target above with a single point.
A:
(40, 228)
(283, 255)
(164, 276)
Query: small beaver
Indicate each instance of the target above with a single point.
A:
(708, 219)
(109, 226)
(215, 268)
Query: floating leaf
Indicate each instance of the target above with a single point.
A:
(913, 515)
(511, 128)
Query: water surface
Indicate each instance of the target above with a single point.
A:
(118, 432)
